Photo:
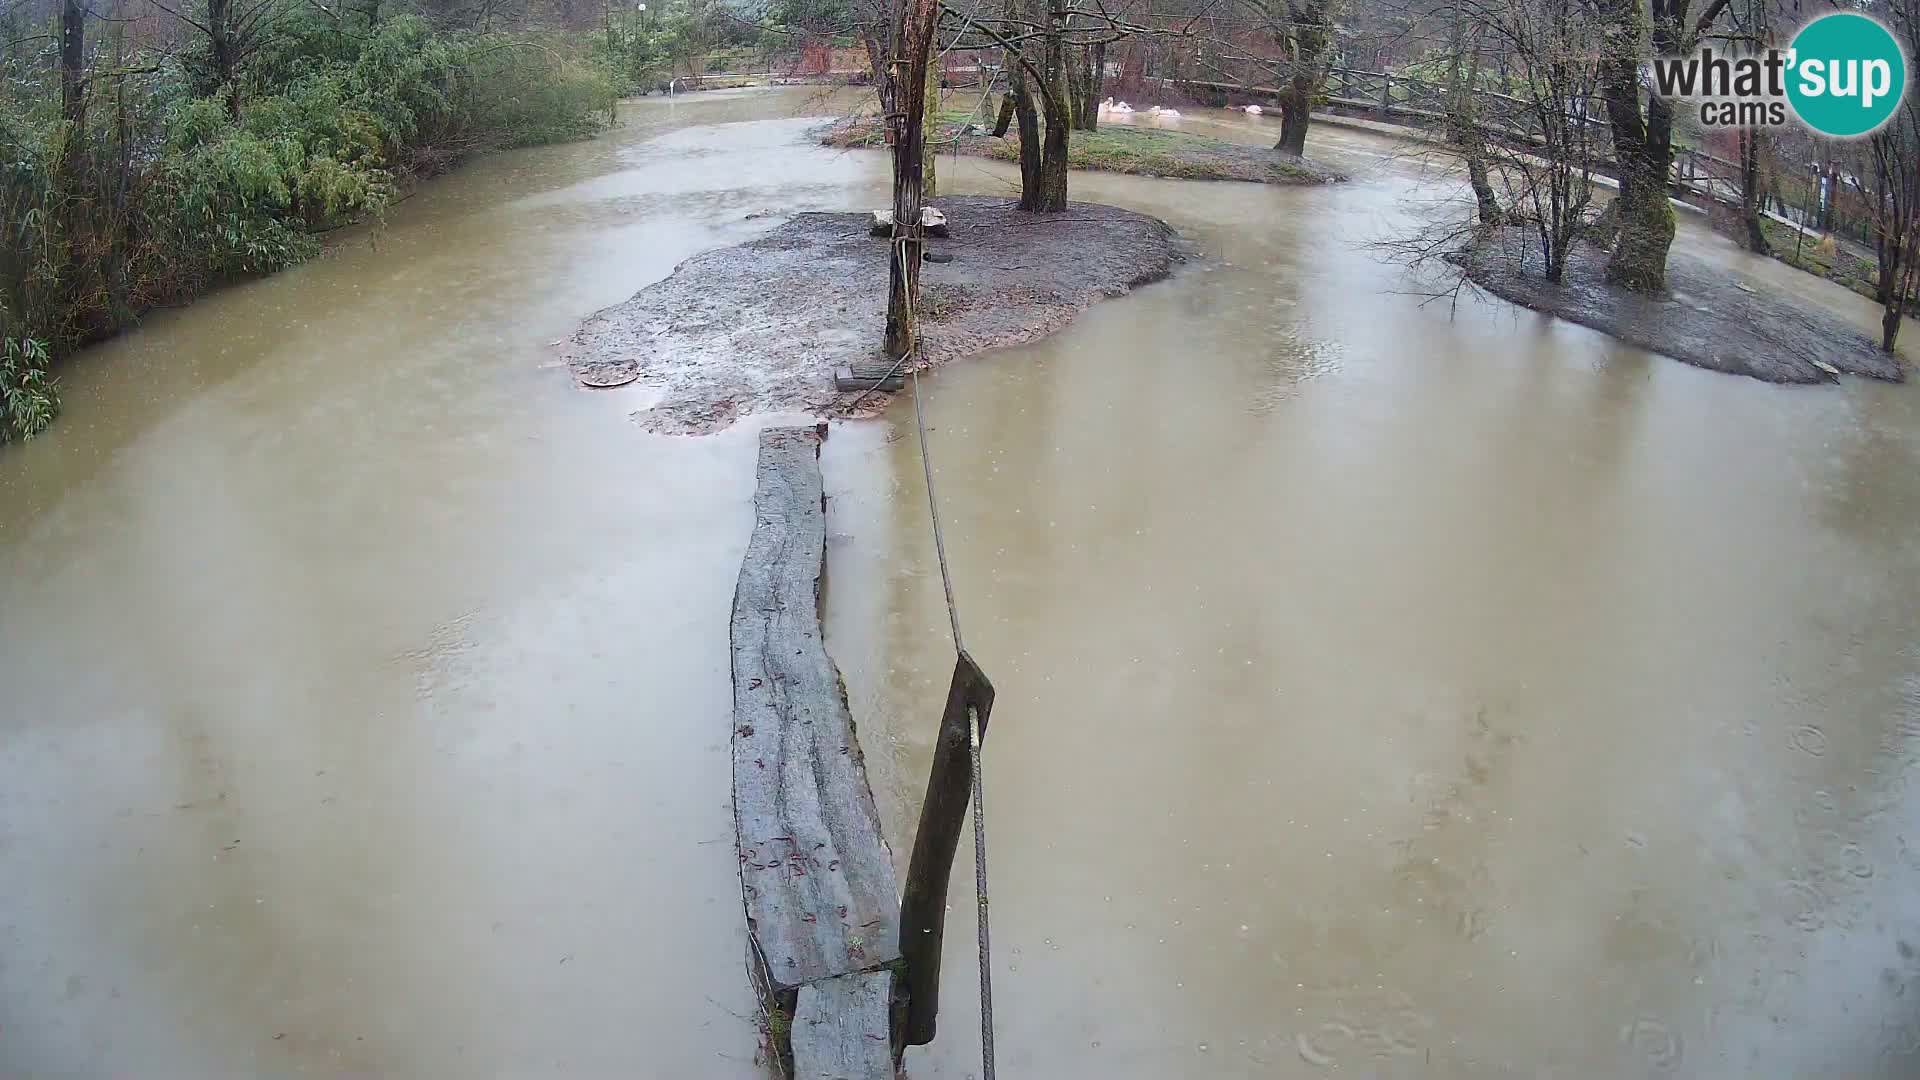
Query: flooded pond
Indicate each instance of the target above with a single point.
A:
(1384, 690)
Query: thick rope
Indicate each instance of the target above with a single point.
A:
(939, 540)
(973, 745)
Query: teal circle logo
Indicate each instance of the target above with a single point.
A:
(1846, 75)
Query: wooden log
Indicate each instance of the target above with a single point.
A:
(867, 377)
(923, 910)
(839, 1029)
(817, 877)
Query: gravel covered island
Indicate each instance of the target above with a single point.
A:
(760, 326)
(1707, 317)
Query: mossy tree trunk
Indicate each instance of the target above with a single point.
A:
(1306, 37)
(1296, 106)
(1643, 139)
(1050, 195)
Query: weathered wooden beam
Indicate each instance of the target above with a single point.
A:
(867, 377)
(839, 1028)
(815, 872)
(923, 909)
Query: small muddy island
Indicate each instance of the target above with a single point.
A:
(759, 327)
(1706, 317)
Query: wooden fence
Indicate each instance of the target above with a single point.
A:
(1422, 103)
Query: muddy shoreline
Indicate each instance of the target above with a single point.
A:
(760, 326)
(1706, 318)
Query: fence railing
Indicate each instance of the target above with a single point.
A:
(1424, 103)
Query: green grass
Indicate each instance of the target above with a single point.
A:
(1113, 148)
(1805, 253)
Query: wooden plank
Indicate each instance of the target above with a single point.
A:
(867, 377)
(923, 911)
(840, 1028)
(821, 898)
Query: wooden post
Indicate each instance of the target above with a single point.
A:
(923, 907)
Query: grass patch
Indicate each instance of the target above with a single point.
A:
(1823, 258)
(1115, 148)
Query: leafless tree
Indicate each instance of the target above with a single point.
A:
(1531, 164)
(234, 30)
(1288, 44)
(913, 40)
(1894, 203)
(1643, 135)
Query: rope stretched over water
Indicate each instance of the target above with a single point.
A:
(973, 747)
(973, 716)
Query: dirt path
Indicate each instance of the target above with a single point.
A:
(759, 327)
(1708, 317)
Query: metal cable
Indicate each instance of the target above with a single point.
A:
(980, 890)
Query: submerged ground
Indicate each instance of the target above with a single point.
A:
(1382, 692)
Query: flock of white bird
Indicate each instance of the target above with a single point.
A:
(1110, 107)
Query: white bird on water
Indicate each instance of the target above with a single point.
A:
(1122, 107)
(1159, 113)
(1253, 110)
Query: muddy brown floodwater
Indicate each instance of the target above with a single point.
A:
(1381, 694)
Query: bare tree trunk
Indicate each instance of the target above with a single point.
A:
(1896, 218)
(1021, 90)
(1642, 144)
(1005, 119)
(1308, 38)
(220, 45)
(1096, 84)
(1028, 117)
(1463, 127)
(1889, 323)
(1751, 193)
(876, 46)
(73, 56)
(908, 73)
(1891, 255)
(1086, 100)
(930, 133)
(1051, 193)
(1296, 104)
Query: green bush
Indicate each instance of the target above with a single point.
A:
(30, 398)
(165, 192)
